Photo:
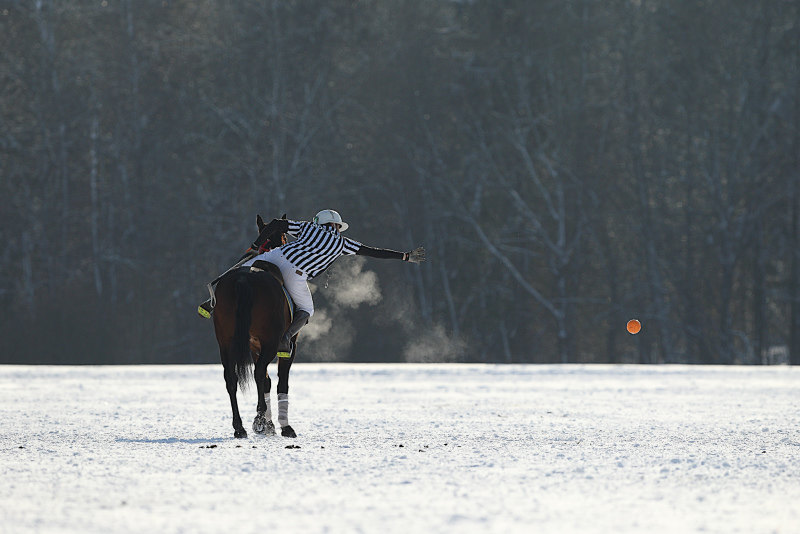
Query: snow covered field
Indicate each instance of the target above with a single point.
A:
(404, 449)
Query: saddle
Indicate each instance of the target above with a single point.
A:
(271, 268)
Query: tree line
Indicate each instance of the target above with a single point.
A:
(568, 165)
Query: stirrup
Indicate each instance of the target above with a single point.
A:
(285, 354)
(205, 309)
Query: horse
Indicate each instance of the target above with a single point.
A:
(251, 314)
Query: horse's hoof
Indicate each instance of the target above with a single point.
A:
(240, 433)
(262, 425)
(258, 424)
(288, 432)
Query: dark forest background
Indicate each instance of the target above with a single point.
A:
(568, 165)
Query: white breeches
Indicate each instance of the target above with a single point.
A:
(293, 279)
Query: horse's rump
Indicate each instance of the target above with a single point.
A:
(250, 315)
(275, 271)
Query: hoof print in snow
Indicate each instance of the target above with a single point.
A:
(292, 447)
(208, 446)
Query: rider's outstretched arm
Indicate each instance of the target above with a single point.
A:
(415, 256)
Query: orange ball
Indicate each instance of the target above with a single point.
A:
(634, 326)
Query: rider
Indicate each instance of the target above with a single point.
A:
(318, 245)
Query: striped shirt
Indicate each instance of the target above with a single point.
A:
(316, 247)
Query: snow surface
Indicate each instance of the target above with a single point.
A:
(406, 448)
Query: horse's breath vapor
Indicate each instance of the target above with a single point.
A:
(433, 346)
(426, 343)
(351, 286)
(329, 333)
(319, 326)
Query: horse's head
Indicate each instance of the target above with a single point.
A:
(270, 241)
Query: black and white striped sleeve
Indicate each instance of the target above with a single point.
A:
(295, 227)
(351, 246)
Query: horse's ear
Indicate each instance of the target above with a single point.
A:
(260, 222)
(284, 216)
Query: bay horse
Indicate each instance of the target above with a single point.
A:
(250, 316)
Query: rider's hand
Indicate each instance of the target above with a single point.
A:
(416, 256)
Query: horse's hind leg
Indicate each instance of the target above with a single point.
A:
(262, 424)
(284, 364)
(230, 383)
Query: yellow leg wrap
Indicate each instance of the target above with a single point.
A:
(203, 312)
(282, 354)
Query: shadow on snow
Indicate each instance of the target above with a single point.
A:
(173, 440)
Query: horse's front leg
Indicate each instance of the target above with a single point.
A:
(230, 384)
(284, 364)
(262, 424)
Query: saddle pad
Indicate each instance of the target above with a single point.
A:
(290, 302)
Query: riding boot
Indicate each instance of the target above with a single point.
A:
(285, 346)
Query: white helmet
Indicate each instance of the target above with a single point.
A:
(330, 216)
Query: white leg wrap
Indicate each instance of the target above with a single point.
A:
(283, 409)
(268, 413)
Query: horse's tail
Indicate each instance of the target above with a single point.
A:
(240, 345)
